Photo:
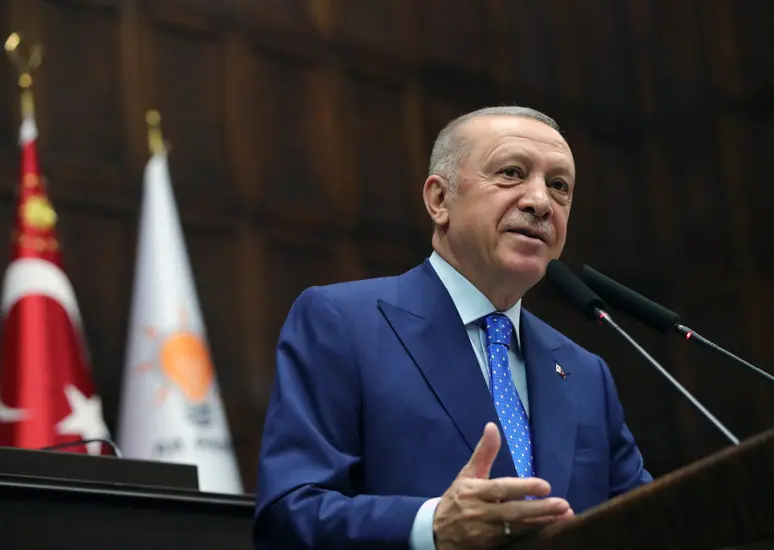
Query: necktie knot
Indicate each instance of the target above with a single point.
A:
(499, 329)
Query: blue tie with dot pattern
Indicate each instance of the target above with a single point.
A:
(510, 410)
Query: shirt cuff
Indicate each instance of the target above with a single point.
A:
(422, 531)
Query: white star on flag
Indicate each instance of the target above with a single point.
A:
(85, 418)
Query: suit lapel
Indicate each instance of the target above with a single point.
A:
(429, 326)
(552, 415)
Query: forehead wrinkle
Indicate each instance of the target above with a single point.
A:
(558, 145)
(505, 150)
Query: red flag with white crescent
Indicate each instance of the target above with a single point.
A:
(47, 396)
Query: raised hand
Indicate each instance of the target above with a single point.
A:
(478, 512)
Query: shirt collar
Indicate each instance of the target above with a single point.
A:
(470, 302)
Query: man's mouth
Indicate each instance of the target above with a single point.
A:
(528, 233)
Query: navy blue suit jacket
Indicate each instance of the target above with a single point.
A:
(379, 401)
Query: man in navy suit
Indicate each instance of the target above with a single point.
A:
(429, 410)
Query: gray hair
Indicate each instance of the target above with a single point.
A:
(450, 147)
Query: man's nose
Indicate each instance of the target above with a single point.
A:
(535, 198)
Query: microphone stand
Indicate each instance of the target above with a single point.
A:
(606, 319)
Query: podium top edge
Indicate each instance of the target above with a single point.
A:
(97, 468)
(100, 489)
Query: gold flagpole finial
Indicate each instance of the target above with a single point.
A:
(155, 138)
(25, 68)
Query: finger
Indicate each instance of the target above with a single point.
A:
(527, 511)
(480, 463)
(510, 488)
(542, 520)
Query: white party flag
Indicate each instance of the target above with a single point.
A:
(171, 409)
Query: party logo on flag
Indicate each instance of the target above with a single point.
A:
(182, 360)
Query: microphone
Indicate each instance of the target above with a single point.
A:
(653, 315)
(108, 442)
(592, 307)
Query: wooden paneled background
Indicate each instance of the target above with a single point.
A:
(300, 133)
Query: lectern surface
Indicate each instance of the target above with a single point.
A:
(37, 514)
(725, 500)
(72, 466)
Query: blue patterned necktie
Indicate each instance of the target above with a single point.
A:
(510, 410)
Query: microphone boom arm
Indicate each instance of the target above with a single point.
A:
(690, 334)
(605, 318)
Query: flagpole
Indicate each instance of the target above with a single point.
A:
(35, 208)
(25, 68)
(155, 137)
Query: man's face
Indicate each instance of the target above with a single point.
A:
(509, 216)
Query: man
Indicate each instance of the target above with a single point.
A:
(429, 410)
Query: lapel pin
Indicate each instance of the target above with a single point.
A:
(561, 372)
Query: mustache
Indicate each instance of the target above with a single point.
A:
(531, 225)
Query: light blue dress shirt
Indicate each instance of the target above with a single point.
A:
(472, 305)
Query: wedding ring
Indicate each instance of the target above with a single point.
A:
(507, 529)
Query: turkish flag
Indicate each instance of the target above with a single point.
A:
(47, 396)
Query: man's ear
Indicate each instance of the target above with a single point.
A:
(436, 194)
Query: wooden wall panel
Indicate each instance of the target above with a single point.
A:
(609, 78)
(755, 187)
(661, 211)
(193, 12)
(382, 172)
(379, 26)
(82, 84)
(286, 128)
(753, 37)
(385, 257)
(460, 40)
(292, 15)
(680, 54)
(526, 63)
(189, 80)
(704, 231)
(8, 91)
(441, 105)
(615, 212)
(760, 354)
(7, 213)
(569, 83)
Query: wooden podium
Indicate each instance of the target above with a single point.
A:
(62, 500)
(66, 500)
(723, 501)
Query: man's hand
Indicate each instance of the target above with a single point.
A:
(474, 510)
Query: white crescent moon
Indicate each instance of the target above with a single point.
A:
(33, 276)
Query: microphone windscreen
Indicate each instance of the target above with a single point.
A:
(580, 296)
(638, 306)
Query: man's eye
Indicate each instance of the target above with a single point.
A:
(561, 185)
(513, 172)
